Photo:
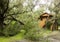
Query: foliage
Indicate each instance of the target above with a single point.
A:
(48, 24)
(37, 34)
(29, 20)
(12, 29)
(33, 34)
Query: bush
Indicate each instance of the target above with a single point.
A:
(58, 21)
(34, 34)
(29, 24)
(12, 29)
(37, 34)
(48, 24)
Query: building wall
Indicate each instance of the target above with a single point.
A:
(42, 22)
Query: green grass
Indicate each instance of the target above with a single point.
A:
(12, 39)
(20, 36)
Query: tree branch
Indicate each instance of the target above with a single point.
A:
(17, 20)
(17, 13)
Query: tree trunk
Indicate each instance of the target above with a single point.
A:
(1, 24)
(54, 25)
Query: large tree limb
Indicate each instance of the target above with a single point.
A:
(17, 20)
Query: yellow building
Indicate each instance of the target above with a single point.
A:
(43, 18)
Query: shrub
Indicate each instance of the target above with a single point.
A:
(37, 34)
(48, 24)
(29, 24)
(34, 34)
(12, 29)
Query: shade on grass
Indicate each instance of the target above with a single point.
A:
(12, 39)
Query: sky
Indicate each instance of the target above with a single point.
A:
(44, 2)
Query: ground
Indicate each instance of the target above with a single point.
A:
(52, 37)
(11, 39)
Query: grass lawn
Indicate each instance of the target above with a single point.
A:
(12, 39)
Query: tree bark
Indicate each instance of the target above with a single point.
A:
(1, 20)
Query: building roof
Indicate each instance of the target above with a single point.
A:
(45, 14)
